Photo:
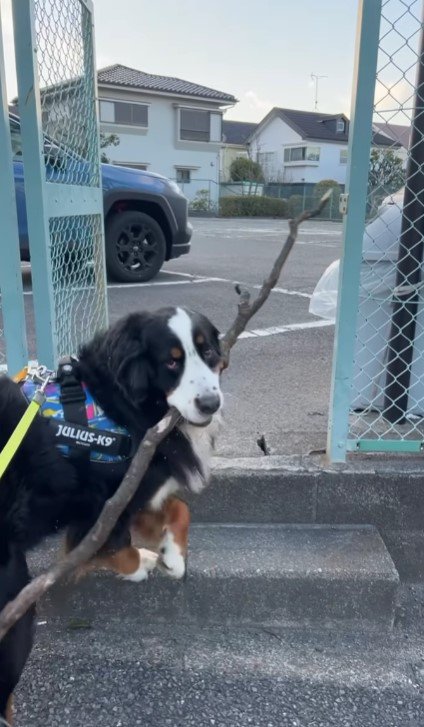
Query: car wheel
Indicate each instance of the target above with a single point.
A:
(135, 247)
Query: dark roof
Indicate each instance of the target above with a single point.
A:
(396, 132)
(236, 132)
(118, 75)
(314, 125)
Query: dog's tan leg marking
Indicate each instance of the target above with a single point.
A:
(133, 564)
(9, 710)
(174, 543)
(167, 531)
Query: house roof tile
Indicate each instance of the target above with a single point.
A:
(237, 132)
(118, 75)
(314, 125)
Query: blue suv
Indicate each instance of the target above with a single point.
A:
(145, 215)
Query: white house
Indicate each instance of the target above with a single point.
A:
(166, 125)
(304, 146)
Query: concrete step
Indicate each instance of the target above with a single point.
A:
(276, 575)
(302, 489)
(182, 675)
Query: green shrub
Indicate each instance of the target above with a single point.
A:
(252, 206)
(201, 202)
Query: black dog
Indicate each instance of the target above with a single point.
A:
(134, 371)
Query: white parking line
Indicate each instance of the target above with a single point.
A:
(146, 285)
(284, 291)
(274, 330)
(153, 284)
(189, 279)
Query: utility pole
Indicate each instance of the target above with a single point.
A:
(316, 79)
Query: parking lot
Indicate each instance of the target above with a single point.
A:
(278, 381)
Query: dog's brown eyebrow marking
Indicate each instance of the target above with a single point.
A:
(200, 339)
(176, 352)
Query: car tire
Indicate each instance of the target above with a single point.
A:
(135, 247)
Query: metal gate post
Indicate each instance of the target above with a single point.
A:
(10, 267)
(364, 76)
(33, 154)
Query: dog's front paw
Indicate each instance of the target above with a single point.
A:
(171, 560)
(148, 561)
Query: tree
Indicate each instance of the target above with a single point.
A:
(386, 175)
(245, 170)
(107, 140)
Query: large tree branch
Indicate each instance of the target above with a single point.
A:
(246, 309)
(114, 507)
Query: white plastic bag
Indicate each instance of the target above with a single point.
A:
(324, 298)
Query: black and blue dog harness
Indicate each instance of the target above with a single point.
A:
(82, 430)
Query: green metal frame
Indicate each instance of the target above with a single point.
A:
(385, 445)
(354, 224)
(10, 266)
(47, 200)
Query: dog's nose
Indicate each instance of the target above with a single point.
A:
(208, 403)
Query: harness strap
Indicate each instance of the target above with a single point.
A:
(72, 398)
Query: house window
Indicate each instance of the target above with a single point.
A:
(340, 128)
(343, 156)
(127, 114)
(183, 176)
(194, 125)
(302, 153)
(312, 153)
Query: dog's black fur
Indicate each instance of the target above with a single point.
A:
(43, 492)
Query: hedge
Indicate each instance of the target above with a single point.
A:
(252, 206)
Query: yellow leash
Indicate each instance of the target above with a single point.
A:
(15, 439)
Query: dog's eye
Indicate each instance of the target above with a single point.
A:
(172, 365)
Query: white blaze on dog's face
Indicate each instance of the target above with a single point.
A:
(197, 394)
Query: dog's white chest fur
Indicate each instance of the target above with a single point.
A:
(202, 440)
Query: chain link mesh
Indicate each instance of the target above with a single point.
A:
(77, 260)
(388, 382)
(66, 73)
(64, 33)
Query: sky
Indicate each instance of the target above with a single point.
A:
(261, 51)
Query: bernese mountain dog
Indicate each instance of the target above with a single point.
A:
(136, 370)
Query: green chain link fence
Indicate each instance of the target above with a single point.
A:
(64, 33)
(382, 408)
(57, 117)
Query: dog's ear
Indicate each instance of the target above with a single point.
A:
(131, 367)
